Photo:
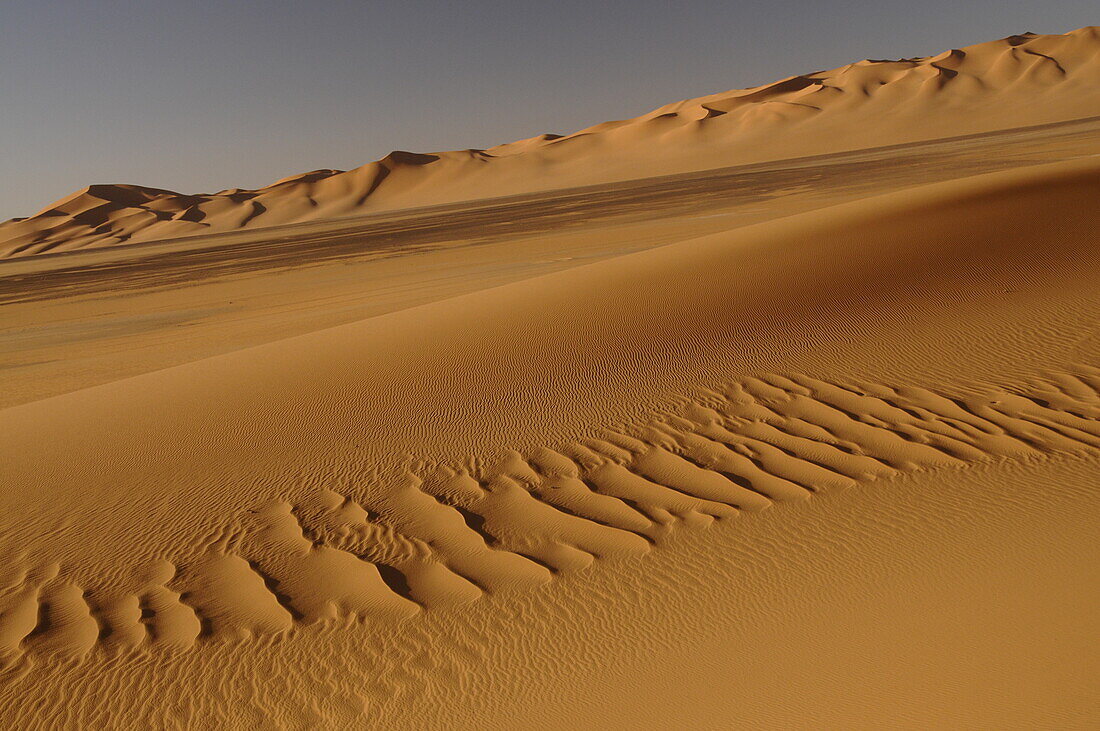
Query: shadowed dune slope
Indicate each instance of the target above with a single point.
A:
(1020, 80)
(489, 442)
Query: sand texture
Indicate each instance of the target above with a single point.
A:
(810, 442)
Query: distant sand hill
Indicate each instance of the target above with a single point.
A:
(1020, 80)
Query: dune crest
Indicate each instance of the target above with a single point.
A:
(1020, 80)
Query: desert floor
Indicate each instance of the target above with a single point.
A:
(807, 443)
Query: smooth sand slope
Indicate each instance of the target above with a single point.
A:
(495, 510)
(1016, 81)
(77, 319)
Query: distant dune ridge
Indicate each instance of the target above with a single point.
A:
(1020, 80)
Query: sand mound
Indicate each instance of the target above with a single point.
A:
(376, 473)
(1020, 80)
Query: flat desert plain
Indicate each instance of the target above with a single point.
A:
(778, 408)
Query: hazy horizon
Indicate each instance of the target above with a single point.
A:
(206, 97)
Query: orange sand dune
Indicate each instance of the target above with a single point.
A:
(369, 523)
(1020, 80)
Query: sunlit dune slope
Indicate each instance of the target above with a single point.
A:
(486, 442)
(1020, 80)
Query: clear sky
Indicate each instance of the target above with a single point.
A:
(198, 95)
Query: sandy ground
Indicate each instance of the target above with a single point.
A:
(806, 443)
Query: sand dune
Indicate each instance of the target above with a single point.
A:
(812, 442)
(1020, 80)
(340, 509)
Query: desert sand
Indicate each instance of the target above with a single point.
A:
(787, 417)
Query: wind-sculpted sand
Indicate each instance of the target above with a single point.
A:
(1021, 80)
(836, 469)
(448, 535)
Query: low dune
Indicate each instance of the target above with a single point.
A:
(370, 522)
(1016, 81)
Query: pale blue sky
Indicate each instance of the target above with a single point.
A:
(196, 95)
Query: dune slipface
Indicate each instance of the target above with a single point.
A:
(1020, 80)
(455, 513)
